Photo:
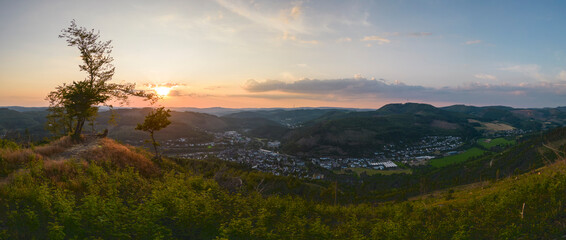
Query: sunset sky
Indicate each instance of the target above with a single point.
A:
(364, 54)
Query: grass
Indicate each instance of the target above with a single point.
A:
(55, 147)
(371, 172)
(14, 159)
(492, 126)
(105, 152)
(497, 127)
(495, 142)
(445, 161)
(120, 156)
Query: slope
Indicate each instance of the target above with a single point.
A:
(94, 196)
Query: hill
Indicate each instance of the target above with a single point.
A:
(362, 133)
(527, 119)
(25, 126)
(310, 132)
(351, 133)
(192, 126)
(107, 190)
(288, 117)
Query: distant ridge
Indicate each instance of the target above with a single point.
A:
(220, 111)
(25, 109)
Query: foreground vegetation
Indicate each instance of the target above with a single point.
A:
(112, 191)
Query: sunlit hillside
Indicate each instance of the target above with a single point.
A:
(103, 189)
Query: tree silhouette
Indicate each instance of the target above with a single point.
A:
(70, 105)
(154, 121)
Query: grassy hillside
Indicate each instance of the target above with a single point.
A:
(445, 161)
(101, 189)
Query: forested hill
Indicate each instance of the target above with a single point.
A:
(305, 131)
(362, 133)
(102, 189)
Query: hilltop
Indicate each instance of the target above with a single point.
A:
(103, 189)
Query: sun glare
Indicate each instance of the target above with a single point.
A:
(162, 91)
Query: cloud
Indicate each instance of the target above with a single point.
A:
(384, 38)
(344, 39)
(289, 37)
(349, 86)
(214, 87)
(169, 84)
(471, 42)
(286, 20)
(180, 93)
(485, 76)
(292, 14)
(540, 94)
(379, 39)
(530, 70)
(562, 75)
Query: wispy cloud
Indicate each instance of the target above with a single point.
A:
(285, 20)
(290, 37)
(385, 38)
(521, 95)
(529, 70)
(562, 75)
(344, 39)
(485, 76)
(181, 93)
(168, 84)
(380, 40)
(472, 42)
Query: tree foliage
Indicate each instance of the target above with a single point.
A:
(154, 121)
(70, 105)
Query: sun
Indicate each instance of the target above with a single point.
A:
(162, 91)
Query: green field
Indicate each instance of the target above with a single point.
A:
(370, 171)
(495, 142)
(445, 161)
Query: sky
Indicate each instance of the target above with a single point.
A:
(242, 54)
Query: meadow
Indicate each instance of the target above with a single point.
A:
(458, 158)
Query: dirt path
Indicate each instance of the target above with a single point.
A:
(74, 151)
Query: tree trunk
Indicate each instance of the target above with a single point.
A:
(78, 129)
(154, 145)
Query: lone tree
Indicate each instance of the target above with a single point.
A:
(71, 105)
(154, 121)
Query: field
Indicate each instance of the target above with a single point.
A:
(371, 172)
(495, 142)
(445, 161)
(492, 126)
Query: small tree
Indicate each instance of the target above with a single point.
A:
(155, 121)
(71, 105)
